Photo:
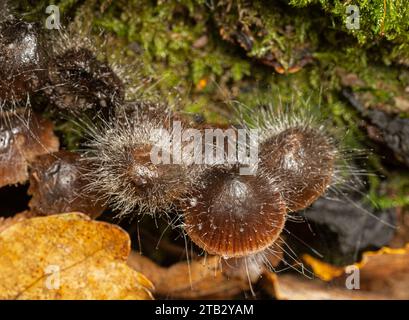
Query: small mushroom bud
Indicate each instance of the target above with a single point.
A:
(23, 60)
(57, 185)
(79, 81)
(303, 159)
(128, 173)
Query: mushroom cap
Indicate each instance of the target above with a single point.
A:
(302, 158)
(234, 215)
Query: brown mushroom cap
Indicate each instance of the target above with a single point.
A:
(133, 174)
(303, 160)
(234, 215)
(57, 184)
(23, 59)
(147, 178)
(80, 81)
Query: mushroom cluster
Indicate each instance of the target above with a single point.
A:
(224, 212)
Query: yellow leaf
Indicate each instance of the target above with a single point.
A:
(7, 222)
(384, 272)
(323, 270)
(68, 256)
(386, 256)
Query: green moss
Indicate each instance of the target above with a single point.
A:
(393, 193)
(378, 18)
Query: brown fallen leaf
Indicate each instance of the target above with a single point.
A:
(402, 103)
(385, 272)
(57, 185)
(297, 287)
(67, 256)
(23, 136)
(211, 277)
(200, 279)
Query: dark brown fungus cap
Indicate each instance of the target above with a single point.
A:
(23, 136)
(148, 178)
(234, 215)
(80, 81)
(303, 160)
(23, 60)
(131, 173)
(57, 184)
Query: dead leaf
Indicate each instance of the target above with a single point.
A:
(211, 277)
(7, 222)
(385, 272)
(199, 279)
(67, 256)
(402, 103)
(297, 287)
(322, 270)
(23, 136)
